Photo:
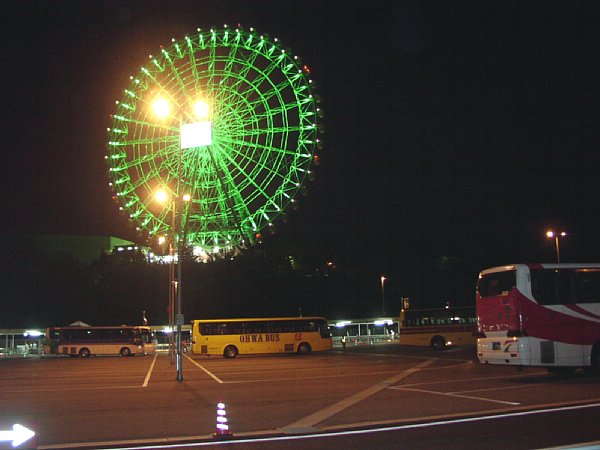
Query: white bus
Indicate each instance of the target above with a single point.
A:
(86, 341)
(545, 315)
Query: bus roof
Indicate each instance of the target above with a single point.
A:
(259, 319)
(89, 327)
(540, 266)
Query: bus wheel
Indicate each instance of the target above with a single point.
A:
(84, 352)
(125, 351)
(230, 351)
(304, 349)
(438, 343)
(595, 362)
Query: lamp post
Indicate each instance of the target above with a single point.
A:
(171, 304)
(192, 134)
(383, 295)
(550, 234)
(162, 197)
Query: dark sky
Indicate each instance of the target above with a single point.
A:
(455, 130)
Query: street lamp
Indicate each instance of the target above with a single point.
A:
(556, 236)
(192, 134)
(383, 295)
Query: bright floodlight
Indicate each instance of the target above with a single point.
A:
(161, 196)
(196, 134)
(201, 109)
(552, 234)
(161, 108)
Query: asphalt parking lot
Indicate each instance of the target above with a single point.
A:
(137, 399)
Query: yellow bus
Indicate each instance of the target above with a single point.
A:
(438, 328)
(232, 337)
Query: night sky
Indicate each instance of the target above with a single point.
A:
(457, 132)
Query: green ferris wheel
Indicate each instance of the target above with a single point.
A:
(214, 138)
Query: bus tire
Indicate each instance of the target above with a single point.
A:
(595, 359)
(438, 342)
(84, 352)
(125, 351)
(304, 348)
(230, 351)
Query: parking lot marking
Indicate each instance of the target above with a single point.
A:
(438, 358)
(500, 388)
(147, 379)
(452, 394)
(210, 374)
(265, 436)
(337, 375)
(307, 423)
(68, 389)
(462, 380)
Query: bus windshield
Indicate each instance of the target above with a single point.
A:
(496, 283)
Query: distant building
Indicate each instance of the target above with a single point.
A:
(83, 249)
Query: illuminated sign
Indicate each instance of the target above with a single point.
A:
(17, 436)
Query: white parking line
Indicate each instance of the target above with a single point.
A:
(461, 394)
(463, 380)
(210, 374)
(70, 388)
(147, 379)
(452, 394)
(307, 423)
(263, 436)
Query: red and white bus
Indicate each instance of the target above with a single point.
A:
(545, 315)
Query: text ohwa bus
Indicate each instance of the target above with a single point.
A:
(438, 328)
(85, 341)
(545, 315)
(232, 337)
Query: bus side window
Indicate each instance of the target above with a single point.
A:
(588, 286)
(567, 287)
(539, 286)
(283, 326)
(551, 286)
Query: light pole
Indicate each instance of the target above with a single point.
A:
(192, 134)
(383, 295)
(161, 197)
(550, 234)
